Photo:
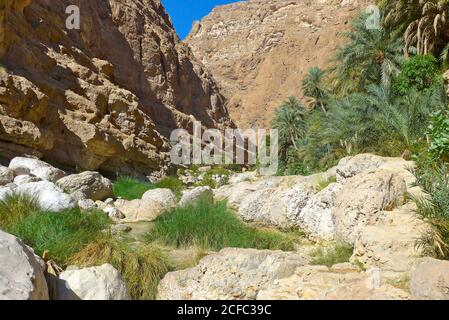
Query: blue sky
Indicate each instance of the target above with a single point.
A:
(184, 12)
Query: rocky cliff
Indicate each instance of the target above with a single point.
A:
(102, 97)
(260, 50)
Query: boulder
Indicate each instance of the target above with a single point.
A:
(363, 198)
(87, 204)
(352, 166)
(6, 175)
(193, 195)
(390, 243)
(235, 193)
(229, 275)
(316, 218)
(341, 282)
(430, 280)
(25, 178)
(21, 271)
(5, 192)
(114, 213)
(48, 196)
(95, 283)
(87, 185)
(35, 167)
(278, 207)
(153, 204)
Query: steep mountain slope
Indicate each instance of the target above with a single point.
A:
(260, 50)
(101, 97)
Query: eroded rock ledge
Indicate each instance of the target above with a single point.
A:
(102, 97)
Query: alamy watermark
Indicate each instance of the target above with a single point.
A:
(231, 146)
(73, 21)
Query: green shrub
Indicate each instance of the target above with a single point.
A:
(419, 72)
(213, 226)
(433, 178)
(338, 253)
(62, 234)
(141, 267)
(438, 134)
(14, 209)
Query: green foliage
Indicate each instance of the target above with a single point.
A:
(371, 56)
(62, 234)
(433, 178)
(142, 267)
(338, 253)
(14, 209)
(422, 23)
(374, 122)
(290, 122)
(419, 72)
(129, 188)
(213, 226)
(314, 86)
(438, 134)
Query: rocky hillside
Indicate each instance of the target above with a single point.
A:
(260, 50)
(102, 97)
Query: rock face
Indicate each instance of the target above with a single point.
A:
(261, 274)
(343, 282)
(21, 271)
(101, 97)
(260, 50)
(430, 280)
(229, 274)
(96, 283)
(363, 198)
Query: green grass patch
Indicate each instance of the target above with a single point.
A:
(73, 237)
(212, 226)
(61, 234)
(131, 188)
(141, 267)
(14, 209)
(338, 253)
(323, 183)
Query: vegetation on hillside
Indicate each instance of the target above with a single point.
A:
(385, 95)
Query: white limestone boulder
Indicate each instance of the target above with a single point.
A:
(95, 283)
(35, 167)
(21, 271)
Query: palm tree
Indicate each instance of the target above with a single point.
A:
(372, 56)
(425, 23)
(289, 120)
(313, 86)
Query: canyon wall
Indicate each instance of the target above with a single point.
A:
(105, 96)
